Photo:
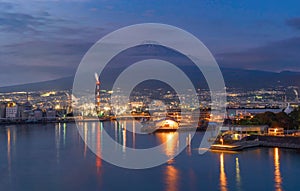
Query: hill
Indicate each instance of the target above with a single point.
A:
(234, 78)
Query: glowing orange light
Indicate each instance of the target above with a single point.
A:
(171, 178)
(277, 174)
(223, 179)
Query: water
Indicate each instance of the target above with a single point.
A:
(54, 157)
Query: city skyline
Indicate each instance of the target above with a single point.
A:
(44, 40)
(163, 95)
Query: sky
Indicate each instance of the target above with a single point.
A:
(46, 39)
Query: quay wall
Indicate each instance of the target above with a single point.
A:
(280, 141)
(292, 142)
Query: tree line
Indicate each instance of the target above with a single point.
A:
(289, 121)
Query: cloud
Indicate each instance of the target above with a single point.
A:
(28, 1)
(275, 56)
(294, 22)
(40, 60)
(41, 44)
(20, 22)
(6, 6)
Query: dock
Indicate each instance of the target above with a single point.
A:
(235, 146)
(289, 142)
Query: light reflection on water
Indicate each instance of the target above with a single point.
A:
(9, 151)
(98, 159)
(57, 141)
(85, 134)
(223, 178)
(171, 178)
(172, 142)
(124, 136)
(238, 174)
(277, 174)
(189, 170)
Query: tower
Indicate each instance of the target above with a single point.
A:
(69, 103)
(296, 96)
(97, 94)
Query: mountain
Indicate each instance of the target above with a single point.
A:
(255, 79)
(234, 78)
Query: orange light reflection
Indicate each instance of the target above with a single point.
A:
(170, 143)
(98, 159)
(223, 179)
(277, 174)
(171, 178)
(9, 149)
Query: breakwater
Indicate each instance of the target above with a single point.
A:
(292, 142)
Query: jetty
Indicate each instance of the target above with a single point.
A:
(289, 142)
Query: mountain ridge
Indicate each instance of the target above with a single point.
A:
(233, 77)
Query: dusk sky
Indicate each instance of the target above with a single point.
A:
(46, 39)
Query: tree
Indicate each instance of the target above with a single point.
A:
(295, 118)
(283, 120)
(266, 118)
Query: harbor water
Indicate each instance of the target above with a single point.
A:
(55, 157)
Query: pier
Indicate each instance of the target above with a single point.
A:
(289, 142)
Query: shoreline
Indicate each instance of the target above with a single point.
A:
(65, 120)
(286, 142)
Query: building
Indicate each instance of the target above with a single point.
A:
(2, 110)
(137, 107)
(253, 129)
(278, 131)
(25, 111)
(38, 114)
(50, 114)
(248, 112)
(11, 111)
